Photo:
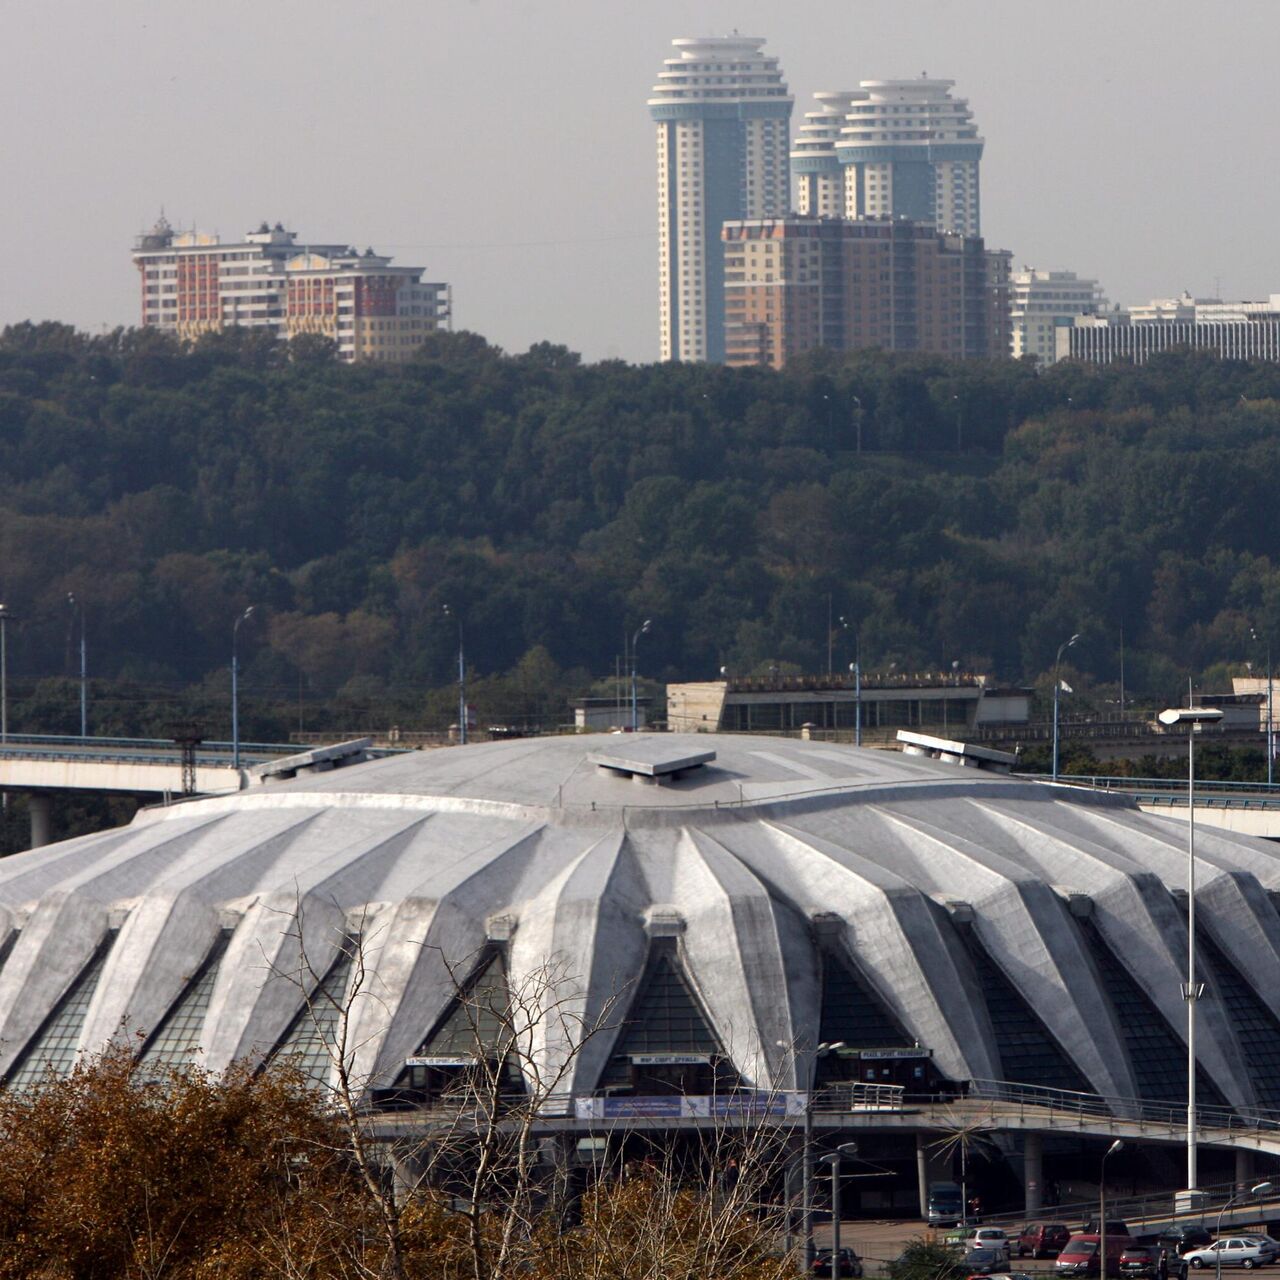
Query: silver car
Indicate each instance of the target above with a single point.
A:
(1230, 1251)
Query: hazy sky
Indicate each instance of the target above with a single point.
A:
(505, 145)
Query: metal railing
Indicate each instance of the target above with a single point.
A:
(857, 1096)
(1173, 791)
(1215, 1121)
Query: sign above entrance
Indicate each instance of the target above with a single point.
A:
(893, 1055)
(670, 1059)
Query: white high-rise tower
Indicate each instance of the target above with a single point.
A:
(723, 113)
(819, 174)
(911, 150)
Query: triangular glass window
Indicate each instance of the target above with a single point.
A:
(53, 1048)
(852, 1014)
(1255, 1026)
(476, 1027)
(177, 1040)
(1157, 1056)
(312, 1037)
(1028, 1052)
(666, 1018)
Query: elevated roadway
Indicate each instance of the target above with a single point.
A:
(42, 765)
(1250, 808)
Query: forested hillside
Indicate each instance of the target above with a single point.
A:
(991, 513)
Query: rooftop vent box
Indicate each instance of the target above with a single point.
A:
(649, 761)
(317, 760)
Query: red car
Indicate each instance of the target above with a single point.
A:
(1041, 1239)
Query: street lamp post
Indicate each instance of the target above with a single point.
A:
(4, 674)
(642, 630)
(1102, 1208)
(1057, 684)
(1259, 1189)
(1192, 717)
(1271, 741)
(845, 1149)
(84, 680)
(462, 680)
(806, 1146)
(235, 689)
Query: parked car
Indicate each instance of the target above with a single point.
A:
(849, 1265)
(1230, 1251)
(1143, 1262)
(989, 1238)
(1079, 1256)
(985, 1262)
(1181, 1238)
(1114, 1227)
(1041, 1239)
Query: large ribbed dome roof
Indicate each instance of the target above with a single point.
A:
(780, 891)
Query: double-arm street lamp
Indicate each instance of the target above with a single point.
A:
(806, 1146)
(1057, 685)
(235, 688)
(1193, 718)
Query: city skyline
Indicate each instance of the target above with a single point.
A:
(508, 150)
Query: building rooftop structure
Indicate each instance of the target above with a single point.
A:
(733, 894)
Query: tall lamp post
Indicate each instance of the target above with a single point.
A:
(1260, 1189)
(806, 1147)
(855, 668)
(643, 630)
(4, 673)
(1057, 685)
(845, 1149)
(1192, 717)
(235, 689)
(462, 680)
(1271, 739)
(1117, 1145)
(77, 607)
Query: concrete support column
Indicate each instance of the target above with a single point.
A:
(1244, 1171)
(1033, 1172)
(41, 809)
(922, 1172)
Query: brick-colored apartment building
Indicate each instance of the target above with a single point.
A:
(796, 283)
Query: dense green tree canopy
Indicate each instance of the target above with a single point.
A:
(554, 504)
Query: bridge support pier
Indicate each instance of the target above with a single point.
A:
(40, 807)
(922, 1172)
(1244, 1170)
(1033, 1172)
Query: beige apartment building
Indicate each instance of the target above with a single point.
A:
(193, 283)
